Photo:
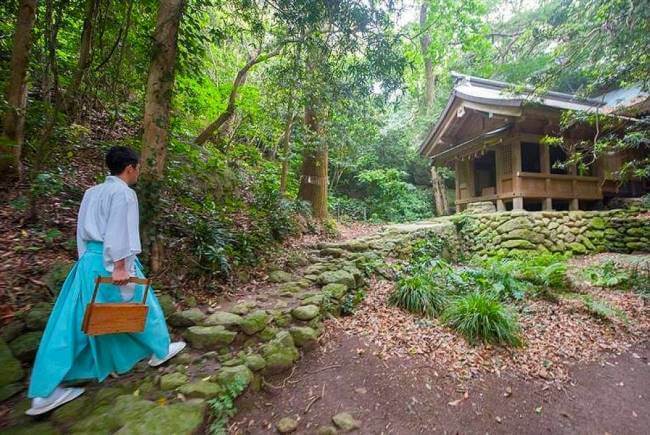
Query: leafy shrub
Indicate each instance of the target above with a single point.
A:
(425, 252)
(350, 302)
(391, 199)
(607, 275)
(640, 282)
(223, 407)
(419, 294)
(481, 317)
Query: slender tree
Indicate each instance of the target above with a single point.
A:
(227, 114)
(155, 138)
(85, 58)
(313, 174)
(16, 92)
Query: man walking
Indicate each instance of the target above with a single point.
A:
(108, 241)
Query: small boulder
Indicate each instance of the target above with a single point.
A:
(167, 304)
(326, 430)
(337, 291)
(10, 390)
(254, 362)
(223, 318)
(337, 276)
(278, 276)
(184, 418)
(268, 333)
(305, 312)
(24, 347)
(36, 318)
(201, 389)
(186, 318)
(10, 369)
(171, 381)
(304, 336)
(56, 276)
(235, 378)
(205, 337)
(243, 308)
(12, 330)
(346, 422)
(286, 425)
(72, 411)
(280, 353)
(254, 322)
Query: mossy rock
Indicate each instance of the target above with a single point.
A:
(42, 428)
(228, 377)
(517, 244)
(12, 330)
(201, 389)
(206, 337)
(24, 347)
(186, 318)
(304, 336)
(179, 419)
(56, 276)
(255, 362)
(10, 390)
(337, 277)
(280, 353)
(268, 333)
(254, 322)
(223, 318)
(305, 312)
(10, 369)
(243, 308)
(290, 287)
(515, 223)
(36, 318)
(279, 276)
(598, 223)
(577, 248)
(72, 411)
(171, 381)
(167, 304)
(336, 290)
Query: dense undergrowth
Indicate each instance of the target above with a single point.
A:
(481, 298)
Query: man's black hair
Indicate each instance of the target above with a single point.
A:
(118, 158)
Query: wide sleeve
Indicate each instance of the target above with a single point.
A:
(122, 237)
(81, 221)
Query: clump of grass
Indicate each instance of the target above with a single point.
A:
(481, 317)
(419, 294)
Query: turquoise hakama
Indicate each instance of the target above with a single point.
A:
(67, 354)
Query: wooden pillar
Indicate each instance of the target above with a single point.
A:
(547, 204)
(516, 164)
(518, 203)
(574, 204)
(545, 166)
(470, 176)
(459, 171)
(500, 205)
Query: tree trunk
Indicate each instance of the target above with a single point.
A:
(227, 114)
(425, 43)
(286, 147)
(83, 63)
(156, 120)
(16, 92)
(313, 180)
(439, 193)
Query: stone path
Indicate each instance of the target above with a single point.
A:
(231, 350)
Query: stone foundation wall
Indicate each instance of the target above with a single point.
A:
(579, 232)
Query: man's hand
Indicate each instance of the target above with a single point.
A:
(120, 274)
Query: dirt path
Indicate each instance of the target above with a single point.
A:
(400, 396)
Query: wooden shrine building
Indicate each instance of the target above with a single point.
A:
(492, 135)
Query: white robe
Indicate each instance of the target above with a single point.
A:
(109, 214)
